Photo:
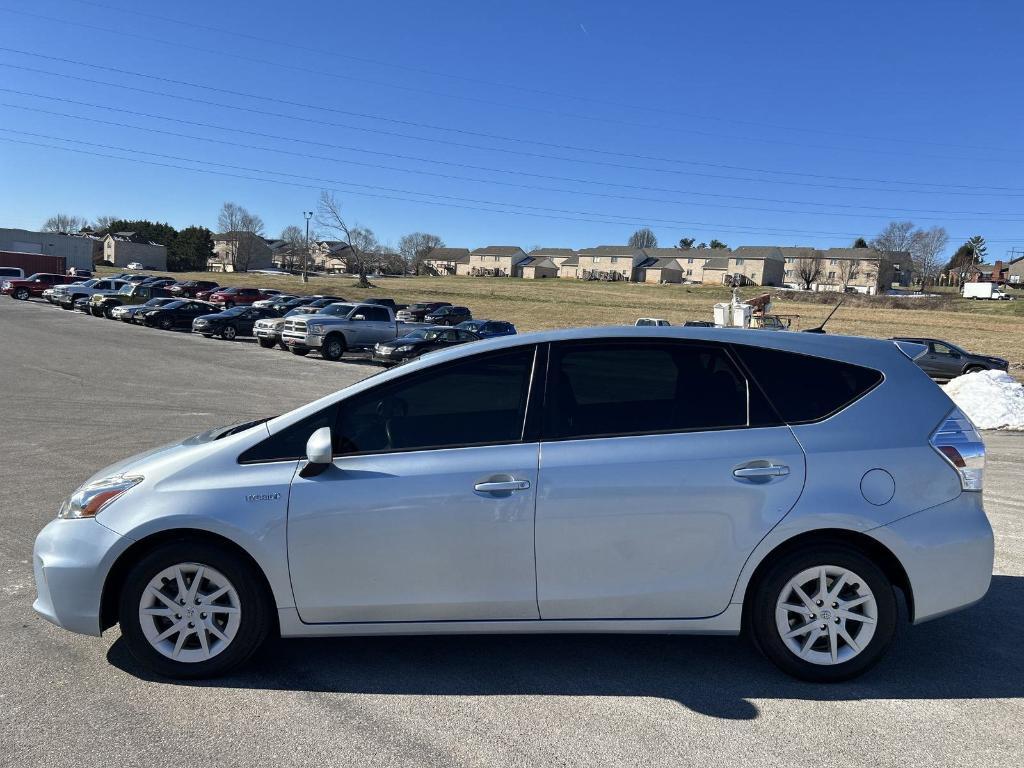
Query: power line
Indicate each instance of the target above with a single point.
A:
(951, 190)
(284, 43)
(94, 120)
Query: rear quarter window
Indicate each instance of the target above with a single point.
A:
(804, 388)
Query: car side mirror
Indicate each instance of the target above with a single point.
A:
(319, 453)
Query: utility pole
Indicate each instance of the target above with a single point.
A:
(305, 255)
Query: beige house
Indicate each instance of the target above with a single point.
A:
(1015, 272)
(660, 265)
(445, 261)
(864, 270)
(536, 267)
(691, 262)
(570, 268)
(747, 265)
(495, 261)
(240, 251)
(124, 248)
(609, 262)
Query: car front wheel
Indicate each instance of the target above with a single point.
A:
(333, 347)
(192, 609)
(824, 614)
(21, 294)
(229, 333)
(266, 343)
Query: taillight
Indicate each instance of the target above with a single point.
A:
(960, 444)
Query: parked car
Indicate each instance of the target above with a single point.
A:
(419, 342)
(191, 289)
(11, 273)
(160, 282)
(135, 265)
(487, 329)
(230, 297)
(82, 274)
(944, 360)
(102, 305)
(67, 295)
(177, 314)
(33, 285)
(231, 323)
(326, 301)
(338, 328)
(698, 324)
(415, 313)
(268, 330)
(561, 481)
(286, 304)
(55, 293)
(126, 312)
(389, 303)
(448, 316)
(269, 301)
(652, 321)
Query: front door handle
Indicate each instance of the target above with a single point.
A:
(500, 486)
(758, 472)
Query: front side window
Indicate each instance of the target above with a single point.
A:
(476, 401)
(603, 389)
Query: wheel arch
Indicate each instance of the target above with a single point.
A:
(114, 581)
(866, 544)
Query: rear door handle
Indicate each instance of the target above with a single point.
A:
(751, 473)
(499, 486)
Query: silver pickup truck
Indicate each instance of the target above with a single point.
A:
(338, 328)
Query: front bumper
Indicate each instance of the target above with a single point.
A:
(71, 560)
(947, 552)
(267, 333)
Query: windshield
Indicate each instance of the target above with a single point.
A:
(233, 312)
(126, 289)
(339, 310)
(174, 304)
(420, 334)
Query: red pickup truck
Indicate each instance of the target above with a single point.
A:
(34, 285)
(233, 297)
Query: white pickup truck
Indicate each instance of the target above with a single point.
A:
(67, 295)
(338, 328)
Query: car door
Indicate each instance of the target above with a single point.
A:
(944, 360)
(375, 326)
(654, 485)
(427, 512)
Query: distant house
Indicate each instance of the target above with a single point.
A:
(570, 267)
(747, 265)
(691, 262)
(446, 261)
(1015, 272)
(124, 248)
(609, 262)
(535, 267)
(240, 251)
(659, 265)
(496, 261)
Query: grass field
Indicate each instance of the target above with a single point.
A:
(995, 328)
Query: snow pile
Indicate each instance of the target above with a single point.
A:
(991, 399)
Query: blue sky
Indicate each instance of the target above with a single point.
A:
(532, 123)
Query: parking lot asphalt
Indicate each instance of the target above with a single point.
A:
(77, 393)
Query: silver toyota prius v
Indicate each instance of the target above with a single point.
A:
(672, 480)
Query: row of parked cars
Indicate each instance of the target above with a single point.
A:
(391, 332)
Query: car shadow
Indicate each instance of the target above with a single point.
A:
(973, 654)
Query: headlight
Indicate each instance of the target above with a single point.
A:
(91, 498)
(316, 329)
(405, 348)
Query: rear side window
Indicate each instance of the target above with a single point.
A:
(804, 388)
(625, 388)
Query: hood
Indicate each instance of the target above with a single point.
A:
(215, 317)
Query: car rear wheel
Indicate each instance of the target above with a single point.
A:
(165, 323)
(824, 614)
(333, 347)
(229, 333)
(191, 610)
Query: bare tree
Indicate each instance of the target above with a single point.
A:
(64, 222)
(415, 247)
(360, 241)
(294, 251)
(897, 237)
(847, 271)
(808, 269)
(246, 230)
(101, 223)
(643, 238)
(926, 247)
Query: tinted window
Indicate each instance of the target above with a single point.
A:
(375, 313)
(629, 388)
(804, 388)
(477, 401)
(289, 444)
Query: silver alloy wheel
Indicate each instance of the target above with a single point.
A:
(826, 615)
(190, 612)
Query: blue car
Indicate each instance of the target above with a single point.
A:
(487, 329)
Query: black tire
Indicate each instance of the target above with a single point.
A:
(229, 333)
(266, 343)
(108, 311)
(96, 311)
(165, 323)
(21, 294)
(299, 352)
(974, 368)
(762, 617)
(62, 305)
(333, 347)
(255, 608)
